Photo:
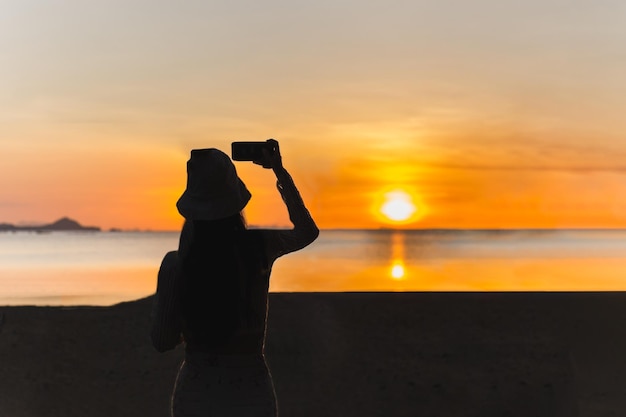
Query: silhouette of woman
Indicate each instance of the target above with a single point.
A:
(212, 293)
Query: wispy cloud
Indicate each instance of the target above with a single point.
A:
(529, 168)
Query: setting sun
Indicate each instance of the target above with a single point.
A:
(398, 206)
(397, 271)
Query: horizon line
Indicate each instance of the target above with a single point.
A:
(391, 229)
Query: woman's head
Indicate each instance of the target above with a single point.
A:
(214, 191)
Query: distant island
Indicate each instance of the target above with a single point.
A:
(63, 224)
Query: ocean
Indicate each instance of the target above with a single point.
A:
(104, 268)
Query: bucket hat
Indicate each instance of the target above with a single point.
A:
(214, 191)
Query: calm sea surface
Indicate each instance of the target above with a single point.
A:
(69, 268)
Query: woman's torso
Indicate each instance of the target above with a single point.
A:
(226, 314)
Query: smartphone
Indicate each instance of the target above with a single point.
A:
(249, 151)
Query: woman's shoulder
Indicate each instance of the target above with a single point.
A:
(170, 260)
(171, 256)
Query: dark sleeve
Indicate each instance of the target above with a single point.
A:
(166, 323)
(305, 231)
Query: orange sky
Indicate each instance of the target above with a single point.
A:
(494, 114)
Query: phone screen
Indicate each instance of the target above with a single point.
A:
(247, 151)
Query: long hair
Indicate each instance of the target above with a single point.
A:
(213, 278)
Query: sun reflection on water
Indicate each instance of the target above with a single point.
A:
(397, 270)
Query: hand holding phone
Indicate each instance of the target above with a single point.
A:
(265, 153)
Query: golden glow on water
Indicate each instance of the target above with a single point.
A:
(76, 285)
(452, 264)
(109, 271)
(454, 275)
(397, 255)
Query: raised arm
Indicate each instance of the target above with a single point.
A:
(305, 231)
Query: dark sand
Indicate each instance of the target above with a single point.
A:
(341, 354)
